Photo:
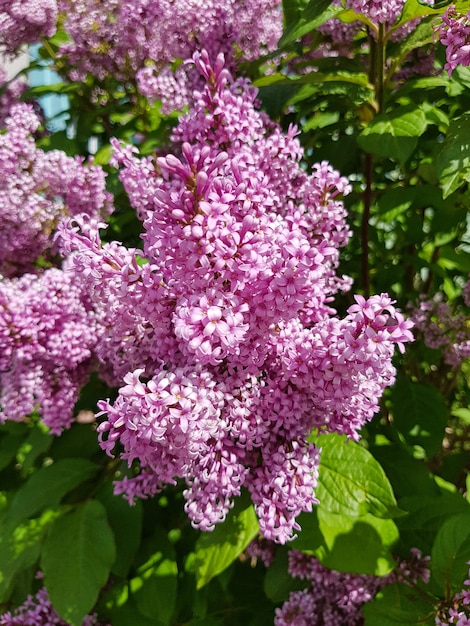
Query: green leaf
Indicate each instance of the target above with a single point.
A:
(278, 583)
(407, 475)
(451, 554)
(399, 605)
(341, 76)
(216, 550)
(426, 515)
(351, 482)
(420, 413)
(357, 544)
(422, 34)
(316, 13)
(418, 8)
(396, 201)
(48, 486)
(155, 587)
(462, 413)
(12, 437)
(349, 544)
(76, 560)
(394, 135)
(19, 549)
(453, 157)
(126, 524)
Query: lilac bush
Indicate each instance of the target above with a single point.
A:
(200, 322)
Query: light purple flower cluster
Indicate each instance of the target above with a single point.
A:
(454, 33)
(457, 611)
(224, 335)
(444, 327)
(37, 190)
(336, 598)
(333, 598)
(47, 335)
(10, 92)
(25, 21)
(38, 611)
(141, 39)
(378, 11)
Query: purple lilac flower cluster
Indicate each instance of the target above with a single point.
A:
(335, 598)
(47, 337)
(444, 328)
(377, 11)
(26, 21)
(38, 611)
(225, 337)
(457, 611)
(454, 33)
(37, 190)
(47, 326)
(10, 92)
(141, 39)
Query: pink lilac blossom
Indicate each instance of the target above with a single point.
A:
(444, 327)
(336, 598)
(38, 611)
(224, 334)
(454, 34)
(141, 40)
(25, 21)
(457, 610)
(10, 92)
(37, 190)
(377, 11)
(47, 335)
(333, 598)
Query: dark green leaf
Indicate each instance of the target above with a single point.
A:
(316, 13)
(154, 588)
(19, 549)
(399, 605)
(76, 560)
(278, 583)
(10, 440)
(453, 157)
(426, 516)
(48, 486)
(126, 524)
(451, 554)
(420, 413)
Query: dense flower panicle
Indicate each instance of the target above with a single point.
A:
(10, 92)
(377, 11)
(132, 304)
(444, 328)
(37, 189)
(139, 40)
(26, 21)
(333, 598)
(38, 611)
(336, 598)
(47, 337)
(225, 337)
(454, 34)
